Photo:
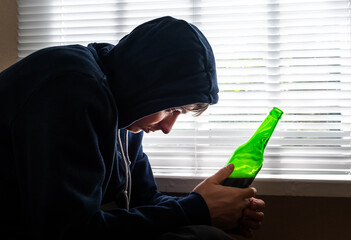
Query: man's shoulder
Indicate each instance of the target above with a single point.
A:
(71, 58)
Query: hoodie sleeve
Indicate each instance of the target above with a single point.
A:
(62, 143)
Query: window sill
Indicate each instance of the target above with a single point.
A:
(289, 185)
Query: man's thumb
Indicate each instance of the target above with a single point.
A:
(223, 173)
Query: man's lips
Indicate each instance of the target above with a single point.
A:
(147, 130)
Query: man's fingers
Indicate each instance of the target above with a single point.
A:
(222, 173)
(252, 214)
(249, 192)
(257, 204)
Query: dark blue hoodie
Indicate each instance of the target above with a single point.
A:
(64, 149)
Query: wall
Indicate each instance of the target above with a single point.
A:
(8, 33)
(305, 218)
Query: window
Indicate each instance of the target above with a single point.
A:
(292, 54)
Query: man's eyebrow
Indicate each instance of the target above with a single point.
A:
(184, 110)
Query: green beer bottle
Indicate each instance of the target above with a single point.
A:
(248, 158)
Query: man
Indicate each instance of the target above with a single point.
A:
(72, 122)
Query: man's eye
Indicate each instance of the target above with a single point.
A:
(173, 110)
(176, 111)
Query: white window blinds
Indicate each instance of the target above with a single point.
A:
(292, 54)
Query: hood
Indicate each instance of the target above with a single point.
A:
(161, 64)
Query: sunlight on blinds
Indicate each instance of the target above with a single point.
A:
(292, 54)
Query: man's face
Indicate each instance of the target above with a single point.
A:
(162, 120)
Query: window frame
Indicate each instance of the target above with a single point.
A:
(267, 186)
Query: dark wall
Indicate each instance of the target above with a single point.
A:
(305, 218)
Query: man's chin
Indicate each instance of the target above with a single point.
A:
(134, 130)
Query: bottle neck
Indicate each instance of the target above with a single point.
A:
(265, 131)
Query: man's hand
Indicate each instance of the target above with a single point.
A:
(226, 204)
(252, 218)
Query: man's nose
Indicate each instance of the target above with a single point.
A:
(167, 123)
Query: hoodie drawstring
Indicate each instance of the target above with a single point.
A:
(128, 185)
